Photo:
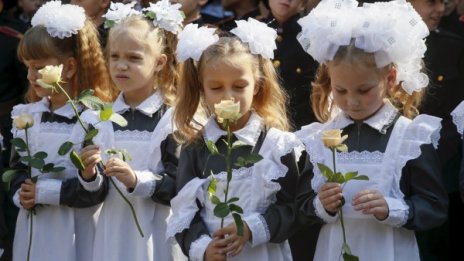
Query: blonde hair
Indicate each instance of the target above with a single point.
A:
(323, 105)
(269, 103)
(85, 47)
(159, 42)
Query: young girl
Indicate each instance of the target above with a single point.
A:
(142, 65)
(61, 34)
(232, 69)
(368, 85)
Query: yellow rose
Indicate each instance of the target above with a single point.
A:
(51, 75)
(227, 110)
(23, 121)
(333, 139)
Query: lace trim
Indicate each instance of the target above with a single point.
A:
(56, 127)
(266, 227)
(362, 157)
(134, 135)
(458, 117)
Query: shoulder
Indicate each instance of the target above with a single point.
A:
(282, 143)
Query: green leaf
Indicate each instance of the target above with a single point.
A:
(47, 167)
(118, 119)
(349, 257)
(342, 202)
(37, 163)
(248, 159)
(361, 177)
(19, 143)
(237, 144)
(350, 175)
(215, 200)
(151, 15)
(105, 114)
(41, 155)
(65, 148)
(212, 186)
(339, 178)
(326, 171)
(238, 223)
(26, 159)
(8, 175)
(221, 210)
(232, 200)
(92, 102)
(346, 248)
(212, 147)
(89, 135)
(77, 162)
(58, 169)
(109, 23)
(235, 208)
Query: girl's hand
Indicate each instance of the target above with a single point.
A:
(331, 196)
(215, 251)
(231, 240)
(371, 202)
(27, 194)
(90, 156)
(122, 171)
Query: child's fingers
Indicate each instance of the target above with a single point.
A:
(221, 233)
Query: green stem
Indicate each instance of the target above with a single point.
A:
(101, 163)
(228, 167)
(333, 160)
(29, 168)
(71, 101)
(130, 206)
(340, 211)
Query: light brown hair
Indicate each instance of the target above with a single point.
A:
(84, 46)
(323, 105)
(269, 103)
(159, 42)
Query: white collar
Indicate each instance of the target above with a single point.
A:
(66, 110)
(379, 121)
(249, 134)
(148, 107)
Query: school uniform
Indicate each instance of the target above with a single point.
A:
(266, 191)
(398, 156)
(65, 217)
(148, 139)
(296, 69)
(228, 23)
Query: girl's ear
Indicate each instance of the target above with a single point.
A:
(258, 86)
(70, 67)
(161, 62)
(391, 77)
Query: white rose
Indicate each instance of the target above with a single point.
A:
(51, 75)
(333, 139)
(227, 110)
(23, 121)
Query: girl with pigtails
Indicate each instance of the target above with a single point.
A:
(235, 70)
(65, 213)
(367, 90)
(143, 67)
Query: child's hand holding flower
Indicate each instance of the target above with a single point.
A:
(122, 171)
(27, 194)
(90, 156)
(330, 195)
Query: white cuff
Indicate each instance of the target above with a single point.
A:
(16, 200)
(322, 213)
(93, 185)
(259, 229)
(146, 183)
(47, 191)
(198, 248)
(398, 212)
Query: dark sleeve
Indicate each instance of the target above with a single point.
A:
(422, 185)
(74, 195)
(165, 188)
(187, 171)
(461, 176)
(280, 216)
(306, 214)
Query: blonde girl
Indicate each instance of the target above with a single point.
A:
(142, 65)
(229, 68)
(369, 85)
(63, 225)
